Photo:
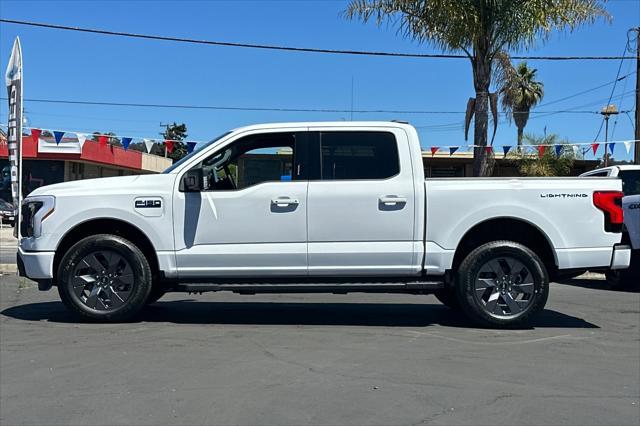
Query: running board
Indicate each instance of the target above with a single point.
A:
(320, 287)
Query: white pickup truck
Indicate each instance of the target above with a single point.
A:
(317, 207)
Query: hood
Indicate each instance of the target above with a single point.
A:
(119, 184)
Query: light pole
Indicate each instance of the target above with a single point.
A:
(607, 111)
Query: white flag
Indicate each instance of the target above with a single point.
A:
(627, 144)
(82, 138)
(148, 143)
(13, 80)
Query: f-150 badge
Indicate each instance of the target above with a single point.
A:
(148, 204)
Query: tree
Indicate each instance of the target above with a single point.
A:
(519, 91)
(480, 29)
(177, 133)
(549, 164)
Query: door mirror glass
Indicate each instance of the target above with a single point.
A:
(192, 181)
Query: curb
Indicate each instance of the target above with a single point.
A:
(8, 268)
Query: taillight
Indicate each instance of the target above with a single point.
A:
(610, 202)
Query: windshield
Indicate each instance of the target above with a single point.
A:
(630, 181)
(196, 150)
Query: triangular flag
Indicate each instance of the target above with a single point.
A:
(506, 149)
(595, 146)
(488, 149)
(82, 138)
(453, 149)
(434, 149)
(627, 145)
(611, 146)
(58, 135)
(35, 135)
(148, 143)
(558, 150)
(541, 150)
(190, 147)
(169, 145)
(125, 143)
(102, 140)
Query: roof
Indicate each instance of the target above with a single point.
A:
(302, 124)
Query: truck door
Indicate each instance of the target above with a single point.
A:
(361, 204)
(251, 218)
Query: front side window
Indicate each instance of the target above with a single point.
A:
(250, 161)
(358, 155)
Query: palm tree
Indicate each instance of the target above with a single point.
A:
(480, 29)
(520, 92)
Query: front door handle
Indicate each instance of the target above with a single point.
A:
(284, 202)
(392, 200)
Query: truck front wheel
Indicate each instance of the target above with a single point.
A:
(104, 278)
(502, 284)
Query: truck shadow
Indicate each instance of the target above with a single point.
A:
(188, 311)
(599, 285)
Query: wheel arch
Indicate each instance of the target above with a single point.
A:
(107, 225)
(512, 229)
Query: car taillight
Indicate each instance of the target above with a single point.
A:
(610, 202)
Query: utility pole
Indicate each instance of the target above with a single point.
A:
(607, 111)
(166, 129)
(636, 145)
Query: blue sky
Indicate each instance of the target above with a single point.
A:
(69, 65)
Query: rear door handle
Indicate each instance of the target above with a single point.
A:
(284, 202)
(392, 200)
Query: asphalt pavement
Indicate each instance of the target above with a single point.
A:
(319, 359)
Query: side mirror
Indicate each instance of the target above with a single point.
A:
(192, 181)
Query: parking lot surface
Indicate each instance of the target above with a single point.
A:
(319, 359)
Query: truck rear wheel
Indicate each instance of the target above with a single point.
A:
(502, 284)
(104, 278)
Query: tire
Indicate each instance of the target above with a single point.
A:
(502, 284)
(448, 297)
(104, 278)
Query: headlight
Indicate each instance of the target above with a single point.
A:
(34, 211)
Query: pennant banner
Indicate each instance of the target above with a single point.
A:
(558, 150)
(506, 149)
(541, 150)
(190, 147)
(102, 140)
(125, 143)
(35, 135)
(594, 147)
(58, 136)
(627, 145)
(148, 143)
(611, 146)
(452, 149)
(169, 146)
(488, 150)
(434, 149)
(82, 138)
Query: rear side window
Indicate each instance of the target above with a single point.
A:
(630, 182)
(358, 155)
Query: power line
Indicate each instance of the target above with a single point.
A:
(586, 90)
(288, 48)
(274, 109)
(613, 89)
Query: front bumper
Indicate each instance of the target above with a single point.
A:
(35, 265)
(621, 258)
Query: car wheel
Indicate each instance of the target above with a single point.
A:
(448, 297)
(502, 284)
(104, 278)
